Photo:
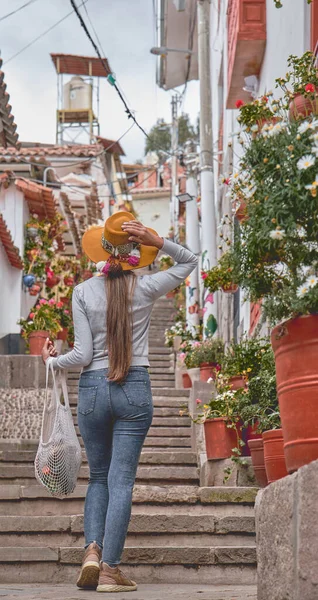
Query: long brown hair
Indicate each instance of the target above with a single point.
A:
(120, 287)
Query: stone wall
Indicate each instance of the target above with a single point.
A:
(22, 391)
(287, 537)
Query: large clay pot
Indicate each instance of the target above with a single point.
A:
(208, 370)
(219, 439)
(295, 344)
(302, 106)
(62, 335)
(274, 457)
(240, 212)
(36, 342)
(186, 381)
(230, 289)
(237, 382)
(257, 454)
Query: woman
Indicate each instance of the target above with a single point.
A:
(111, 318)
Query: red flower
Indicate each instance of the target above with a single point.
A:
(309, 87)
(265, 99)
(59, 305)
(227, 181)
(32, 315)
(239, 103)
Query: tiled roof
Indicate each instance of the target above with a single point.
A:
(81, 65)
(8, 135)
(111, 146)
(39, 198)
(80, 150)
(11, 250)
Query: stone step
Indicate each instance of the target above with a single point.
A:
(10, 474)
(161, 370)
(153, 522)
(33, 499)
(149, 458)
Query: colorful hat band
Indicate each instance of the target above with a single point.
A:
(129, 252)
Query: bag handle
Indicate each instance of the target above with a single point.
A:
(61, 382)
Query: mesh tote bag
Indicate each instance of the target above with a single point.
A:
(59, 454)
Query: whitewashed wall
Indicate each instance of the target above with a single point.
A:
(154, 213)
(14, 302)
(288, 32)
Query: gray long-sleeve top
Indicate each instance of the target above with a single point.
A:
(89, 306)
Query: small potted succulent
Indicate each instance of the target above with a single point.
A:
(41, 323)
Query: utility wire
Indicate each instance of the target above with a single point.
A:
(17, 10)
(41, 35)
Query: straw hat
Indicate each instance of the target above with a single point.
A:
(101, 242)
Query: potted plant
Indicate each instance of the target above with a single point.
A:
(255, 114)
(165, 262)
(41, 323)
(222, 276)
(300, 86)
(220, 419)
(65, 320)
(258, 406)
(243, 360)
(206, 355)
(277, 255)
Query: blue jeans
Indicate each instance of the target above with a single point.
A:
(113, 420)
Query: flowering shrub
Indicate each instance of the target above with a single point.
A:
(301, 78)
(165, 262)
(43, 317)
(41, 244)
(246, 358)
(275, 257)
(222, 276)
(253, 114)
(209, 351)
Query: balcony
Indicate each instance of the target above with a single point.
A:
(246, 45)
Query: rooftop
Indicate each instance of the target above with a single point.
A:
(8, 135)
(72, 64)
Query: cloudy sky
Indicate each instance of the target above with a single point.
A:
(126, 30)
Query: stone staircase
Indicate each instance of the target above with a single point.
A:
(179, 532)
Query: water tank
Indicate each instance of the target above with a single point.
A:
(77, 94)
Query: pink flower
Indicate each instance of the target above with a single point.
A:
(106, 268)
(198, 401)
(196, 344)
(51, 302)
(182, 356)
(42, 301)
(239, 103)
(310, 87)
(133, 261)
(204, 274)
(32, 315)
(227, 181)
(66, 312)
(59, 305)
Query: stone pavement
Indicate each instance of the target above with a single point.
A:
(145, 592)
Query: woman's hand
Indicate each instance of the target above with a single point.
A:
(48, 350)
(140, 234)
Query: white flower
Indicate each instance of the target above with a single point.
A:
(210, 380)
(302, 291)
(311, 281)
(305, 162)
(301, 232)
(254, 128)
(314, 137)
(303, 127)
(277, 234)
(314, 150)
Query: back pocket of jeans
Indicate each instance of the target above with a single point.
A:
(138, 393)
(87, 399)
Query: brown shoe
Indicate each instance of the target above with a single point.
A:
(88, 578)
(113, 580)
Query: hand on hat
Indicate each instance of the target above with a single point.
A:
(140, 234)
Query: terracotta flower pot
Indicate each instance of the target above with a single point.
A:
(302, 106)
(237, 382)
(208, 370)
(257, 454)
(249, 433)
(186, 381)
(69, 281)
(36, 342)
(240, 212)
(230, 289)
(52, 281)
(274, 457)
(219, 439)
(62, 335)
(295, 344)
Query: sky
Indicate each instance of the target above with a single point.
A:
(126, 29)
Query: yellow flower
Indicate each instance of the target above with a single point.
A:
(249, 369)
(265, 160)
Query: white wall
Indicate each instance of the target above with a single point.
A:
(147, 211)
(14, 302)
